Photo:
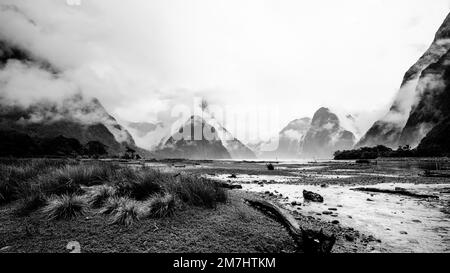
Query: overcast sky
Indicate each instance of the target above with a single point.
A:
(142, 57)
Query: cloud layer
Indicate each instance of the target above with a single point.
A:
(141, 58)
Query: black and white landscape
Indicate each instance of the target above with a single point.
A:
(213, 126)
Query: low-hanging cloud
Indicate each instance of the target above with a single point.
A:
(142, 58)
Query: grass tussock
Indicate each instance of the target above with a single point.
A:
(126, 213)
(65, 207)
(100, 197)
(139, 185)
(84, 175)
(31, 204)
(200, 192)
(112, 204)
(66, 188)
(159, 206)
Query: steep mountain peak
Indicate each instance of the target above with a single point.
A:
(190, 141)
(325, 118)
(419, 100)
(444, 30)
(325, 135)
(297, 124)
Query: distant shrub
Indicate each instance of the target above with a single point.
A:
(375, 152)
(65, 207)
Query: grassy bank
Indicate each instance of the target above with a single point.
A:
(45, 204)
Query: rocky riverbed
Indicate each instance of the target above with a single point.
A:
(382, 221)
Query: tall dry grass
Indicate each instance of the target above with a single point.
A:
(66, 188)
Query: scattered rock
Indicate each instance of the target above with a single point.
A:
(403, 232)
(324, 186)
(312, 196)
(335, 222)
(327, 212)
(349, 238)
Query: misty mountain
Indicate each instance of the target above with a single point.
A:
(288, 145)
(234, 146)
(422, 101)
(433, 105)
(291, 138)
(196, 139)
(326, 135)
(436, 142)
(73, 117)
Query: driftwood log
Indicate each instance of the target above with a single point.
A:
(397, 191)
(228, 185)
(307, 241)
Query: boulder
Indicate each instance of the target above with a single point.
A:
(312, 196)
